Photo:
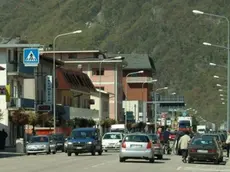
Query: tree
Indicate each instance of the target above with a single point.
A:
(19, 118)
(107, 122)
(45, 119)
(33, 120)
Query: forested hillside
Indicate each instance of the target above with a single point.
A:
(165, 29)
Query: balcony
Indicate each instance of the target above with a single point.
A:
(138, 79)
(73, 112)
(15, 69)
(16, 103)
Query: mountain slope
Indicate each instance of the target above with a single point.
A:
(165, 29)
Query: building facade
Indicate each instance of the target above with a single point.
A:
(77, 93)
(109, 78)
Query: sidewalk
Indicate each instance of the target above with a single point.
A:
(9, 152)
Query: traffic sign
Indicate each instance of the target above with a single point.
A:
(31, 57)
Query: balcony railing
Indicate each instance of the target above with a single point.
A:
(168, 98)
(21, 103)
(19, 69)
(138, 79)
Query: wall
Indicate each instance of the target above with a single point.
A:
(29, 88)
(104, 104)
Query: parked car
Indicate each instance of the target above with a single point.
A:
(203, 148)
(136, 146)
(41, 144)
(111, 141)
(158, 148)
(84, 140)
(59, 138)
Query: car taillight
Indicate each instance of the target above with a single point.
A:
(193, 150)
(212, 151)
(123, 145)
(149, 145)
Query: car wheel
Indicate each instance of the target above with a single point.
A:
(216, 161)
(106, 150)
(99, 153)
(76, 154)
(28, 154)
(121, 159)
(48, 152)
(221, 159)
(54, 152)
(160, 157)
(93, 152)
(152, 160)
(63, 150)
(190, 160)
(69, 153)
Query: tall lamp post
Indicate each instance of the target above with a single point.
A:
(100, 103)
(142, 96)
(126, 92)
(155, 102)
(228, 45)
(54, 73)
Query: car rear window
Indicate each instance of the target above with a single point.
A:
(136, 138)
(112, 136)
(211, 136)
(202, 141)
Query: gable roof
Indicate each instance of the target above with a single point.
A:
(76, 80)
(137, 61)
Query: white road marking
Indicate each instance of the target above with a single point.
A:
(98, 165)
(178, 168)
(204, 169)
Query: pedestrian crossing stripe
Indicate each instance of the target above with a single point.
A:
(31, 57)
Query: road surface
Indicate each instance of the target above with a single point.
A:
(108, 162)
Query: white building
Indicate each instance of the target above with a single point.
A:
(104, 104)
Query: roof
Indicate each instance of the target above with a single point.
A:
(69, 52)
(137, 61)
(2, 68)
(84, 129)
(50, 59)
(19, 45)
(76, 80)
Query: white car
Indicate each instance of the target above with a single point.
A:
(111, 141)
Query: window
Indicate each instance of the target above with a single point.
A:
(112, 136)
(100, 88)
(70, 102)
(98, 72)
(64, 100)
(70, 56)
(136, 138)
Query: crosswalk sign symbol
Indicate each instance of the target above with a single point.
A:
(31, 57)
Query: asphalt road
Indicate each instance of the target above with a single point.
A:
(108, 162)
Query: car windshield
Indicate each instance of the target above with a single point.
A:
(112, 136)
(58, 137)
(184, 124)
(153, 137)
(211, 136)
(39, 139)
(202, 141)
(82, 134)
(136, 138)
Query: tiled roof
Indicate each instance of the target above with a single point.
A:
(137, 61)
(69, 79)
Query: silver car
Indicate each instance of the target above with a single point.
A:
(136, 146)
(40, 144)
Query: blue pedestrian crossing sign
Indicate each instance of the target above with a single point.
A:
(31, 57)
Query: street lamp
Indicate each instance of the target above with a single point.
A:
(221, 95)
(228, 55)
(54, 73)
(222, 99)
(100, 103)
(215, 76)
(223, 103)
(155, 103)
(218, 85)
(126, 92)
(214, 64)
(220, 90)
(152, 81)
(174, 93)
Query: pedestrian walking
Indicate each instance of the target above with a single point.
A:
(183, 145)
(228, 144)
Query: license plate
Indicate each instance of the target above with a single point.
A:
(111, 144)
(59, 144)
(79, 147)
(136, 146)
(202, 151)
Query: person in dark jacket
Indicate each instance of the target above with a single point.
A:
(3, 136)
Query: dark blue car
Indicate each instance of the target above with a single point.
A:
(84, 140)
